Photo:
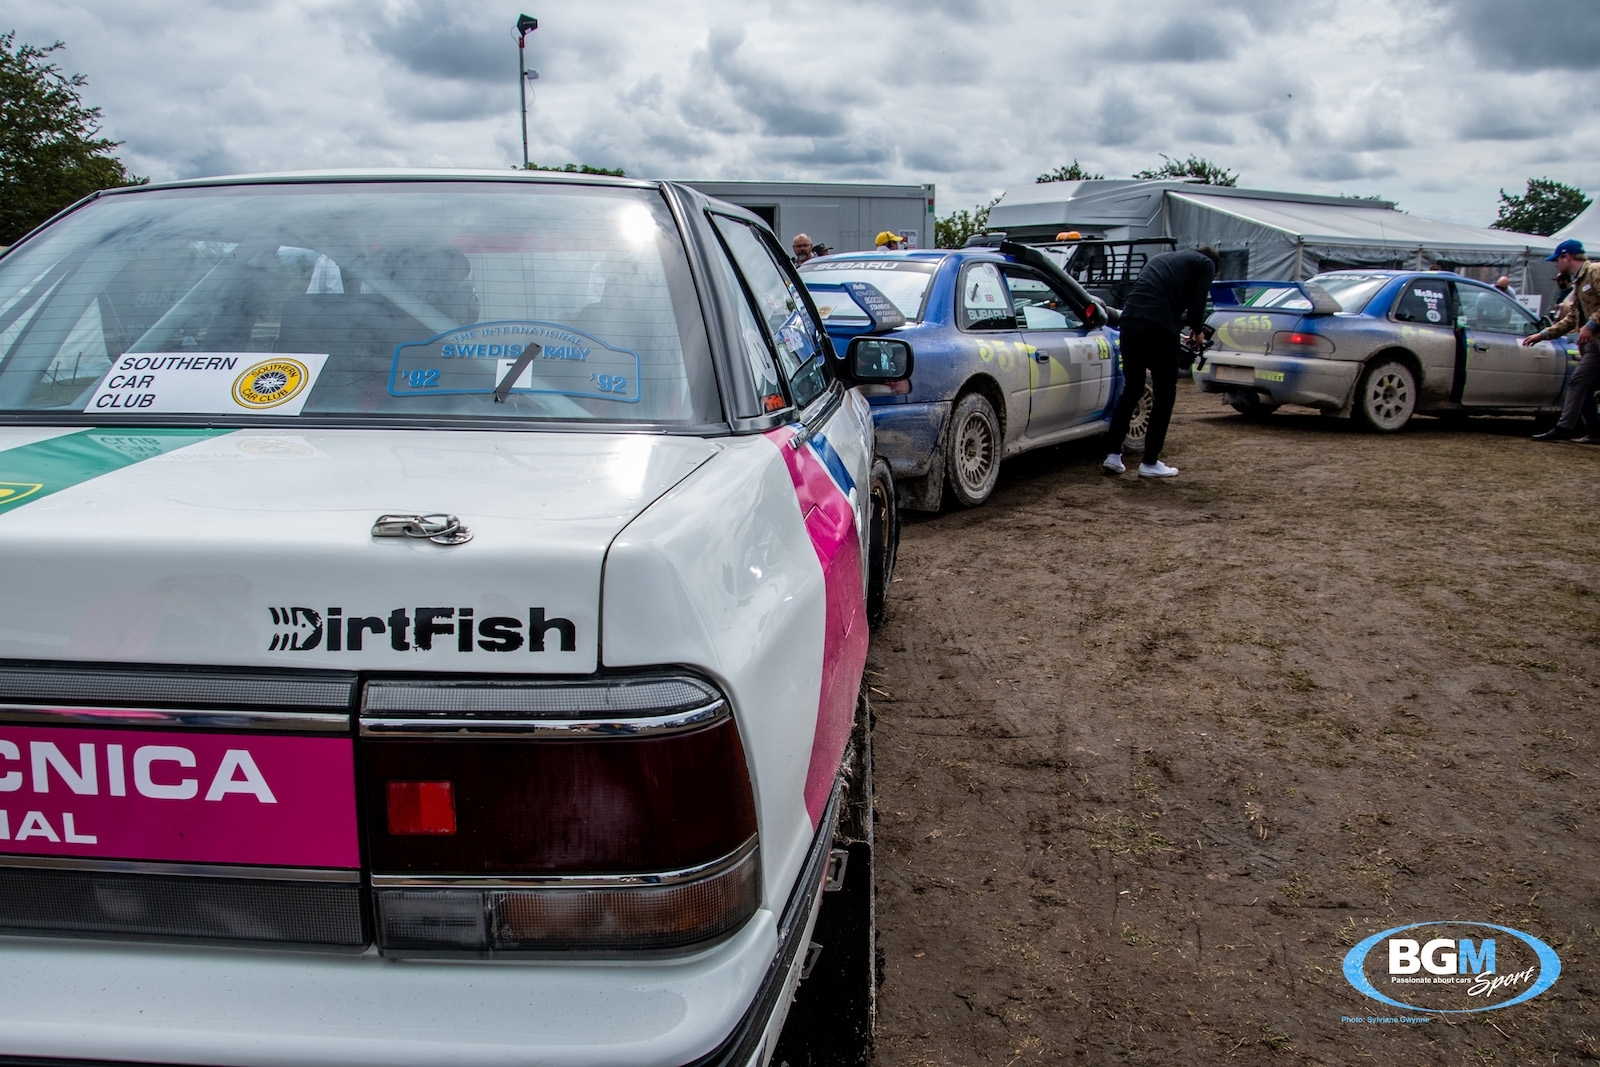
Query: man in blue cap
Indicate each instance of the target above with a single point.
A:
(1570, 259)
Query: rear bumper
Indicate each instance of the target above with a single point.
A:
(1318, 383)
(908, 435)
(67, 1002)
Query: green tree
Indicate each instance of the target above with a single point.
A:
(1547, 206)
(1072, 172)
(953, 230)
(1208, 172)
(51, 153)
(580, 168)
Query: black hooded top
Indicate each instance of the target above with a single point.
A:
(1171, 291)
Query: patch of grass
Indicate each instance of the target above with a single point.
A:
(1275, 1040)
(1123, 836)
(1298, 887)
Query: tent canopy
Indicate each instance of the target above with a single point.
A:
(1264, 233)
(1585, 228)
(1288, 239)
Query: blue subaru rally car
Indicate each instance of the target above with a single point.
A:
(1012, 354)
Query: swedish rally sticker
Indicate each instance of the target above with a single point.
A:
(266, 385)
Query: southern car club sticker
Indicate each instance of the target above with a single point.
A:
(418, 629)
(207, 383)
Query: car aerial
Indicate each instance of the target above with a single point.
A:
(1382, 346)
(438, 607)
(1011, 354)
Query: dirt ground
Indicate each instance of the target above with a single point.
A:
(1151, 756)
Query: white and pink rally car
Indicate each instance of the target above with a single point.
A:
(437, 608)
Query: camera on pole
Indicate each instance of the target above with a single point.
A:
(526, 24)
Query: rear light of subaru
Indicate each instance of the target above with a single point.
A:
(528, 817)
(1295, 342)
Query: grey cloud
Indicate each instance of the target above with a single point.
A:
(938, 151)
(1122, 121)
(968, 11)
(1208, 132)
(1341, 166)
(1180, 40)
(209, 160)
(782, 110)
(858, 154)
(445, 101)
(1527, 35)
(429, 37)
(1496, 120)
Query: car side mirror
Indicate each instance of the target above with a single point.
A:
(879, 360)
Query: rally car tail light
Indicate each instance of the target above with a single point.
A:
(1295, 342)
(421, 808)
(523, 817)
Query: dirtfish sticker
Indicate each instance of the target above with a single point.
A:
(206, 383)
(513, 357)
(1449, 968)
(301, 629)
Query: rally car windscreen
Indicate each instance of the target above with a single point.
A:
(432, 300)
(903, 281)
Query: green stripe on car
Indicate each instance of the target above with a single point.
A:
(33, 472)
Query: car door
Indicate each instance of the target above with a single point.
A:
(984, 313)
(830, 452)
(1069, 374)
(1425, 310)
(1499, 371)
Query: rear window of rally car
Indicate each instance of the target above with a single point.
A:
(904, 281)
(372, 300)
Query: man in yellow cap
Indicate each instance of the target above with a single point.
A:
(890, 241)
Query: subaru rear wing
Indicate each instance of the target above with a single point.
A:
(1307, 298)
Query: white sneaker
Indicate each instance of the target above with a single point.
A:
(1113, 464)
(1157, 469)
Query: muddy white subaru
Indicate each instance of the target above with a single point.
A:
(435, 610)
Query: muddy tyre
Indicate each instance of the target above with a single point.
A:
(972, 450)
(1139, 425)
(1387, 396)
(883, 540)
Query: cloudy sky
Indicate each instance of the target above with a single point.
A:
(1433, 103)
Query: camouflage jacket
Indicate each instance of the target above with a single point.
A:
(1585, 307)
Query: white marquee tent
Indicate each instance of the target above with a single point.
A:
(1265, 234)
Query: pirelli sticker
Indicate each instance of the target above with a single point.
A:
(207, 383)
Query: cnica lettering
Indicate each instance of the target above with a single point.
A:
(160, 772)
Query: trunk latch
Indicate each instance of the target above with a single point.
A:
(440, 529)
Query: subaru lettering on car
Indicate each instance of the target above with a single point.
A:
(440, 606)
